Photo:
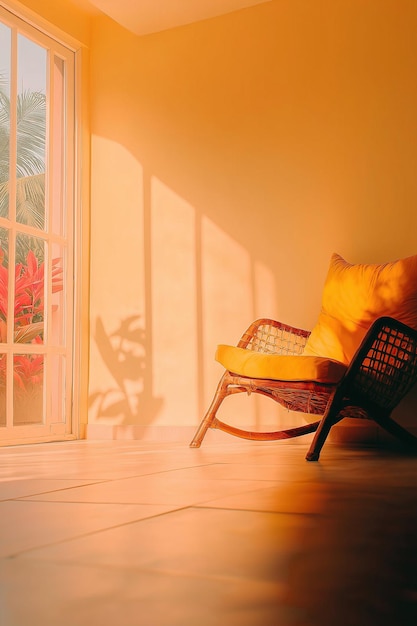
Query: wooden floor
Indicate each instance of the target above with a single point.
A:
(124, 533)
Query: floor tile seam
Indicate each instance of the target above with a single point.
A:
(45, 477)
(35, 500)
(98, 531)
(203, 504)
(244, 492)
(169, 512)
(148, 569)
(195, 467)
(183, 573)
(42, 493)
(271, 481)
(128, 477)
(167, 471)
(307, 514)
(91, 501)
(161, 502)
(260, 487)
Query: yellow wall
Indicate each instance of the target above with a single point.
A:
(230, 158)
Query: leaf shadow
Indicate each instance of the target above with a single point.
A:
(124, 353)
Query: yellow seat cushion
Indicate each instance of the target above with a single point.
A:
(279, 367)
(354, 296)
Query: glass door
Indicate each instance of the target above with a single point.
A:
(36, 233)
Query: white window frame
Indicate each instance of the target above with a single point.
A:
(37, 29)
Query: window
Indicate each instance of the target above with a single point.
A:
(36, 232)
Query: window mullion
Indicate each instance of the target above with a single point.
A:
(49, 177)
(12, 218)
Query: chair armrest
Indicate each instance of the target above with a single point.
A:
(384, 367)
(272, 337)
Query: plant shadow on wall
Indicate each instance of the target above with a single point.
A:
(123, 352)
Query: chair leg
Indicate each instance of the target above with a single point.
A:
(318, 441)
(329, 419)
(210, 416)
(396, 430)
(382, 420)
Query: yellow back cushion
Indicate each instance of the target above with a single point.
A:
(354, 296)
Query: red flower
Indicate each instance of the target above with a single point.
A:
(28, 314)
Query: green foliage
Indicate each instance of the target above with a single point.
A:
(30, 164)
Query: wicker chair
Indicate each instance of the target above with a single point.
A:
(381, 373)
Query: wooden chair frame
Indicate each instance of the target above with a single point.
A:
(382, 372)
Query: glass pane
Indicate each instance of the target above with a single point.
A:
(3, 371)
(57, 389)
(28, 389)
(57, 321)
(57, 173)
(5, 41)
(29, 290)
(4, 282)
(31, 133)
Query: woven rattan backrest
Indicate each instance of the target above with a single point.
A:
(386, 365)
(272, 337)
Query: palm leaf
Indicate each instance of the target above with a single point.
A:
(30, 166)
(4, 137)
(31, 133)
(4, 199)
(30, 200)
(26, 334)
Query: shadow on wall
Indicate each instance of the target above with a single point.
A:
(196, 170)
(123, 353)
(180, 284)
